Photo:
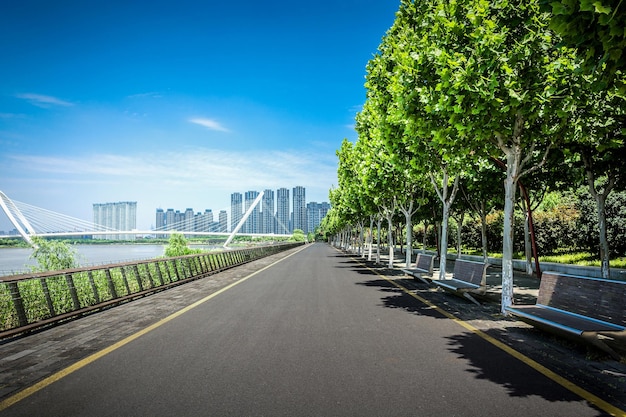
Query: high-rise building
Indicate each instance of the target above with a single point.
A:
(179, 221)
(170, 219)
(315, 212)
(203, 222)
(268, 221)
(252, 224)
(116, 216)
(223, 222)
(189, 220)
(236, 209)
(299, 209)
(282, 211)
(160, 221)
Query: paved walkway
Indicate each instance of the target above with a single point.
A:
(30, 359)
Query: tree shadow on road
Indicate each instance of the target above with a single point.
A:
(450, 303)
(487, 362)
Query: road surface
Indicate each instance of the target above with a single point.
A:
(316, 334)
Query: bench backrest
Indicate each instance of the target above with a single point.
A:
(425, 262)
(601, 299)
(470, 271)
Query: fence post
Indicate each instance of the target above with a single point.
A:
(93, 287)
(111, 283)
(203, 264)
(150, 280)
(46, 293)
(189, 268)
(177, 266)
(72, 288)
(168, 266)
(159, 274)
(18, 303)
(125, 279)
(138, 277)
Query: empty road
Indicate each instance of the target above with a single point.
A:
(316, 334)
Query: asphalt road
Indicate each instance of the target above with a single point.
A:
(313, 335)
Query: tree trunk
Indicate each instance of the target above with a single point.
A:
(447, 199)
(378, 241)
(371, 238)
(390, 237)
(605, 255)
(507, 241)
(483, 230)
(528, 252)
(600, 197)
(408, 213)
(459, 229)
(362, 239)
(444, 240)
(409, 241)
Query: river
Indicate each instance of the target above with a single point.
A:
(16, 260)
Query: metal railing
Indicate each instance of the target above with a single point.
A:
(35, 300)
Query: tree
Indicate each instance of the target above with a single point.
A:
(484, 78)
(597, 142)
(298, 236)
(481, 190)
(380, 180)
(177, 246)
(52, 255)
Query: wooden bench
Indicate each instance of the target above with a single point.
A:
(469, 277)
(423, 265)
(591, 309)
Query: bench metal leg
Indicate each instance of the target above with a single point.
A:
(424, 280)
(593, 339)
(472, 299)
(417, 275)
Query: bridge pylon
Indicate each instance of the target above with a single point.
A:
(243, 219)
(17, 218)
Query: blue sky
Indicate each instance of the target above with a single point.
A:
(177, 104)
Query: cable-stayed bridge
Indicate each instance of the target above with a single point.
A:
(31, 221)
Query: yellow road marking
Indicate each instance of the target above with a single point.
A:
(92, 358)
(581, 392)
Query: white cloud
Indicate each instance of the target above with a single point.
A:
(11, 116)
(199, 168)
(44, 101)
(209, 124)
(198, 177)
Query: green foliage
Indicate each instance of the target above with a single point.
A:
(568, 222)
(456, 85)
(52, 255)
(177, 246)
(14, 243)
(597, 29)
(298, 236)
(587, 224)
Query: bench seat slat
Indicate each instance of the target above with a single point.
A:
(561, 319)
(455, 284)
(412, 271)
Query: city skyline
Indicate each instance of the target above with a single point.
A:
(270, 216)
(178, 104)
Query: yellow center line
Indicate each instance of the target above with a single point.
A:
(581, 392)
(92, 358)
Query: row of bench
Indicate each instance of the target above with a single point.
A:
(583, 308)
